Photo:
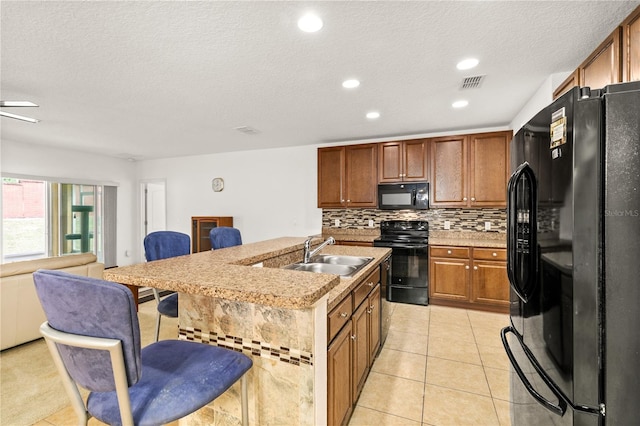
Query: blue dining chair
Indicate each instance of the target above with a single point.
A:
(161, 245)
(93, 334)
(224, 236)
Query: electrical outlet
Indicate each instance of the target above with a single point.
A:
(336, 223)
(447, 224)
(370, 223)
(487, 226)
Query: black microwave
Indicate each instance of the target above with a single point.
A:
(399, 196)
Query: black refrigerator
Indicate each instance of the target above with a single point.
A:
(573, 260)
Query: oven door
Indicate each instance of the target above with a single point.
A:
(409, 265)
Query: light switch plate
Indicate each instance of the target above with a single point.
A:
(336, 223)
(487, 226)
(370, 223)
(447, 224)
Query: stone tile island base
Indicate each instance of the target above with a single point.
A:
(288, 381)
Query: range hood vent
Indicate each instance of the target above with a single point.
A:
(472, 82)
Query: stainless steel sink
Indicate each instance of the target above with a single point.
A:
(340, 260)
(345, 266)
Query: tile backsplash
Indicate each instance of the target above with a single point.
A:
(459, 219)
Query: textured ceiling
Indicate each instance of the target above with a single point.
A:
(162, 79)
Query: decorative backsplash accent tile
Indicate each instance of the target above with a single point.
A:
(460, 219)
(253, 347)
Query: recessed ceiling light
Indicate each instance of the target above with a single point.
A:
(460, 104)
(350, 84)
(310, 23)
(373, 115)
(467, 64)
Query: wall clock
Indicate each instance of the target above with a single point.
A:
(217, 184)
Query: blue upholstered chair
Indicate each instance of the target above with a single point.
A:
(93, 334)
(224, 236)
(161, 245)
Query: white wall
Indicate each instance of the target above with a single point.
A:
(270, 193)
(78, 167)
(540, 99)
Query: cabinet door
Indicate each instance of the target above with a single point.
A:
(390, 162)
(449, 172)
(490, 283)
(403, 161)
(631, 47)
(339, 368)
(360, 348)
(331, 164)
(416, 164)
(489, 169)
(374, 323)
(449, 279)
(361, 175)
(602, 67)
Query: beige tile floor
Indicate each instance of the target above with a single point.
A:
(439, 366)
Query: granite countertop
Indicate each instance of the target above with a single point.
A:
(468, 239)
(227, 274)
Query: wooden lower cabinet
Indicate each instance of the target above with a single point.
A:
(354, 243)
(339, 392)
(465, 277)
(352, 352)
(360, 337)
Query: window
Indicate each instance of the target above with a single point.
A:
(44, 219)
(24, 219)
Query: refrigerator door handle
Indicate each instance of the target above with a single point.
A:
(561, 407)
(522, 258)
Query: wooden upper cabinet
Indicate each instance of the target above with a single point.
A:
(347, 176)
(489, 169)
(448, 185)
(603, 66)
(361, 175)
(331, 165)
(403, 161)
(631, 47)
(470, 171)
(569, 83)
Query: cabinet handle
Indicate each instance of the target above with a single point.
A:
(448, 251)
(494, 254)
(473, 198)
(371, 308)
(343, 314)
(368, 311)
(475, 268)
(466, 267)
(464, 199)
(348, 201)
(370, 284)
(353, 337)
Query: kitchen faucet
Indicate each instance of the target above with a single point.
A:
(307, 248)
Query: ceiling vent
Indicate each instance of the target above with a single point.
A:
(472, 82)
(247, 130)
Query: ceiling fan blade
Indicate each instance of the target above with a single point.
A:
(18, 117)
(17, 104)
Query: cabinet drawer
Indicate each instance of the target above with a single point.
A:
(362, 291)
(489, 254)
(443, 251)
(339, 316)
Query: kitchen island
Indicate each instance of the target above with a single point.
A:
(240, 298)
